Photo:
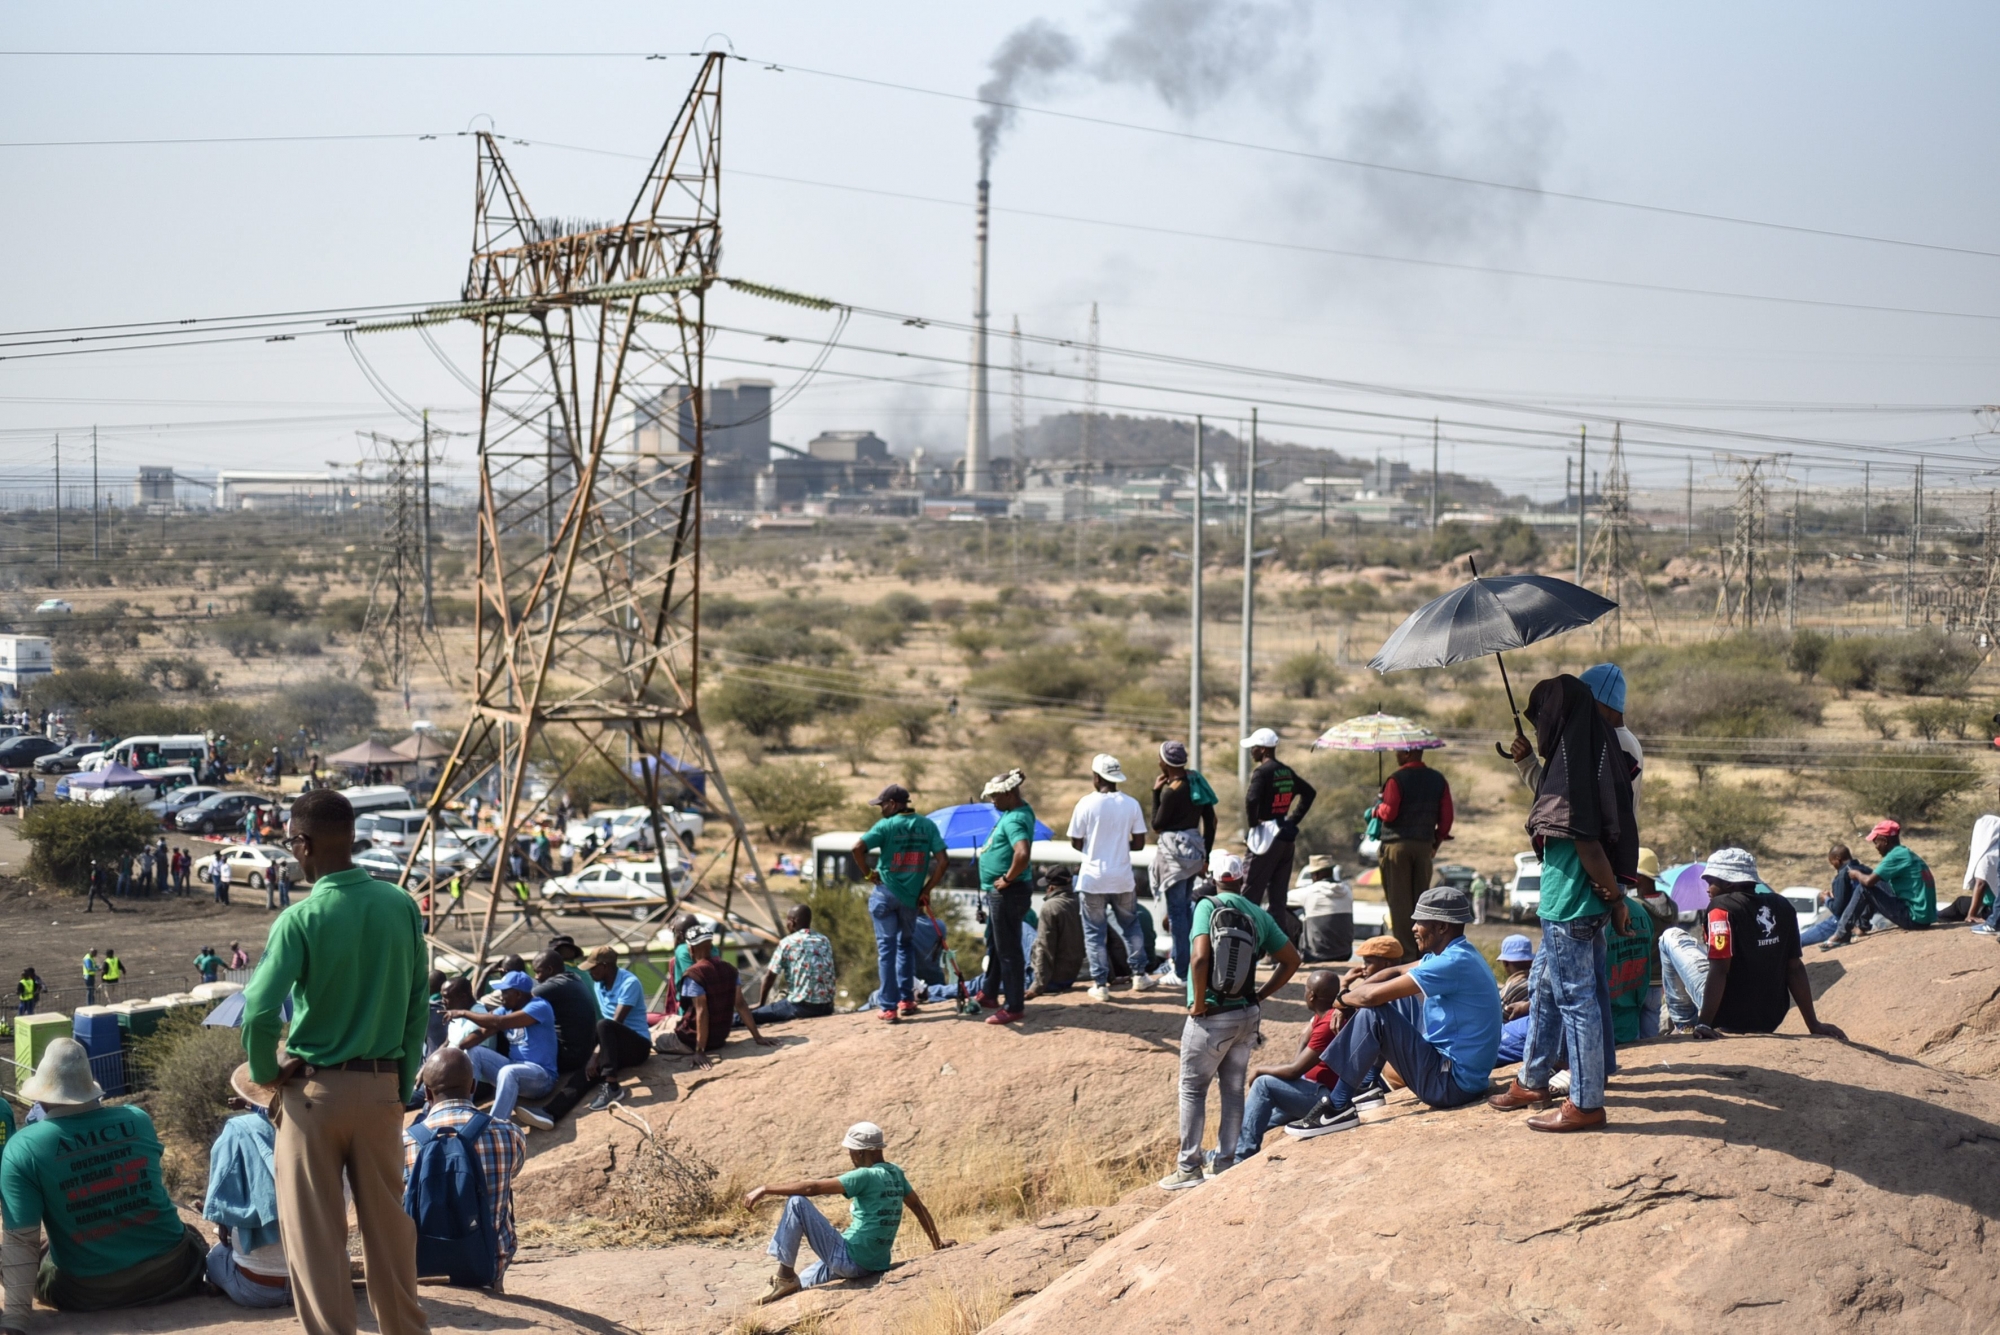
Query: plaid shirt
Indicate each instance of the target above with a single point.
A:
(500, 1151)
(803, 966)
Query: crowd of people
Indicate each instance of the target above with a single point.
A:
(365, 1070)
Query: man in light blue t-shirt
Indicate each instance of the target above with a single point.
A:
(624, 1035)
(1447, 1061)
(528, 1068)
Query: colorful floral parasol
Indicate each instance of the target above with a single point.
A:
(1378, 732)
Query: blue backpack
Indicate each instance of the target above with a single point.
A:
(446, 1195)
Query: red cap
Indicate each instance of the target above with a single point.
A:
(1887, 827)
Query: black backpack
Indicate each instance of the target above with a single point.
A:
(1232, 935)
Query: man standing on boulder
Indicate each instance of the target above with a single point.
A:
(351, 959)
(1009, 887)
(1416, 814)
(880, 1193)
(1108, 827)
(911, 863)
(1275, 800)
(1229, 934)
(1184, 832)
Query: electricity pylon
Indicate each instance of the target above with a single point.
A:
(394, 622)
(589, 537)
(1610, 554)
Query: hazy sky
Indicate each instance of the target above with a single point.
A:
(1876, 120)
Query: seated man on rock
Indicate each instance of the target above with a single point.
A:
(247, 1261)
(475, 1251)
(802, 971)
(1900, 888)
(1745, 971)
(88, 1176)
(1280, 1093)
(709, 995)
(1448, 1060)
(1058, 955)
(879, 1192)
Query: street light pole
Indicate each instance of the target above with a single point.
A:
(1194, 608)
(1249, 596)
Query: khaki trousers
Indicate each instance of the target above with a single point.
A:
(335, 1123)
(1406, 874)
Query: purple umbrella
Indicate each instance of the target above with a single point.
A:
(1688, 890)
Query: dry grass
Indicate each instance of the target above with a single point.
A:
(952, 1311)
(999, 1185)
(662, 1191)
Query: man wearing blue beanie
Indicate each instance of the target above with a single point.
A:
(1606, 683)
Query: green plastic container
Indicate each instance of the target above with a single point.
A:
(141, 1021)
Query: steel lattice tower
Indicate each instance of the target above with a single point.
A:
(589, 528)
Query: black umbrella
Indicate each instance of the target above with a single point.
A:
(1491, 614)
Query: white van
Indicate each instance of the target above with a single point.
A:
(377, 797)
(158, 752)
(397, 830)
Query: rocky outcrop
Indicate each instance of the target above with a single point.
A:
(1779, 1183)
(1932, 995)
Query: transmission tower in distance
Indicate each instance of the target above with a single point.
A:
(1608, 564)
(394, 623)
(588, 554)
(1737, 595)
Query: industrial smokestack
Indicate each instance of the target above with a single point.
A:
(978, 437)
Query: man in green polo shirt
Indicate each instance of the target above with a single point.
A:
(1220, 1032)
(1900, 888)
(1008, 884)
(88, 1176)
(351, 958)
(911, 861)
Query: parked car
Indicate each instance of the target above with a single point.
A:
(1524, 889)
(1456, 873)
(254, 865)
(23, 752)
(67, 760)
(464, 851)
(632, 828)
(179, 800)
(223, 811)
(53, 606)
(10, 787)
(637, 883)
(398, 830)
(381, 864)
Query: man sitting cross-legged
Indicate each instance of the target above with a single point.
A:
(1447, 1061)
(879, 1192)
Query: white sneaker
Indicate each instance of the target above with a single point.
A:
(1559, 1085)
(1104, 994)
(1144, 982)
(533, 1117)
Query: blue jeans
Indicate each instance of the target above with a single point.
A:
(1513, 1041)
(1098, 910)
(895, 946)
(1566, 1011)
(1376, 1032)
(1272, 1102)
(1180, 921)
(1873, 899)
(803, 1221)
(224, 1274)
(1649, 1013)
(510, 1080)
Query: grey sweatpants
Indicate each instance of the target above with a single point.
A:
(1219, 1043)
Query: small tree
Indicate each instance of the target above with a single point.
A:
(853, 736)
(1302, 676)
(767, 711)
(66, 836)
(276, 602)
(790, 798)
(328, 707)
(1806, 653)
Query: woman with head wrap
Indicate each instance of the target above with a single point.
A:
(1184, 821)
(1582, 826)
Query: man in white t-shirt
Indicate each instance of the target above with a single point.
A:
(1108, 827)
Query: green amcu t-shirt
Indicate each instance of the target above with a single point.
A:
(1567, 894)
(91, 1181)
(904, 845)
(1904, 871)
(877, 1192)
(1013, 827)
(1271, 939)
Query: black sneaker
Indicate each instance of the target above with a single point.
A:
(1373, 1095)
(606, 1095)
(1323, 1121)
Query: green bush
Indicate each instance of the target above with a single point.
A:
(1301, 676)
(1880, 723)
(874, 632)
(276, 602)
(840, 913)
(767, 711)
(1905, 785)
(1851, 663)
(790, 799)
(86, 690)
(1722, 699)
(1720, 815)
(1931, 719)
(184, 1066)
(329, 708)
(1926, 661)
(1806, 653)
(787, 644)
(180, 673)
(1049, 674)
(913, 719)
(66, 836)
(1513, 542)
(906, 607)
(244, 637)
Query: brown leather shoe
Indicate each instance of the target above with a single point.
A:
(1518, 1096)
(1568, 1117)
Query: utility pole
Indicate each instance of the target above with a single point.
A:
(1864, 499)
(1582, 505)
(1194, 607)
(1089, 425)
(1688, 543)
(1249, 596)
(1434, 473)
(59, 503)
(1916, 536)
(1792, 575)
(93, 493)
(430, 619)
(1569, 466)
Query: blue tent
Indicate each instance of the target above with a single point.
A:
(694, 776)
(970, 825)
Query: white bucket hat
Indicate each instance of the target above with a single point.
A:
(64, 1077)
(863, 1136)
(1736, 866)
(1107, 768)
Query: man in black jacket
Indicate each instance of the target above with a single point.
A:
(1275, 800)
(1416, 815)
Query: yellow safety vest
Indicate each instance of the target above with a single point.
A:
(114, 969)
(30, 989)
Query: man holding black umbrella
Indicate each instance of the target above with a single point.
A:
(1275, 800)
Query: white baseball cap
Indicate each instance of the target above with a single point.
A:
(1261, 737)
(1107, 768)
(1225, 866)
